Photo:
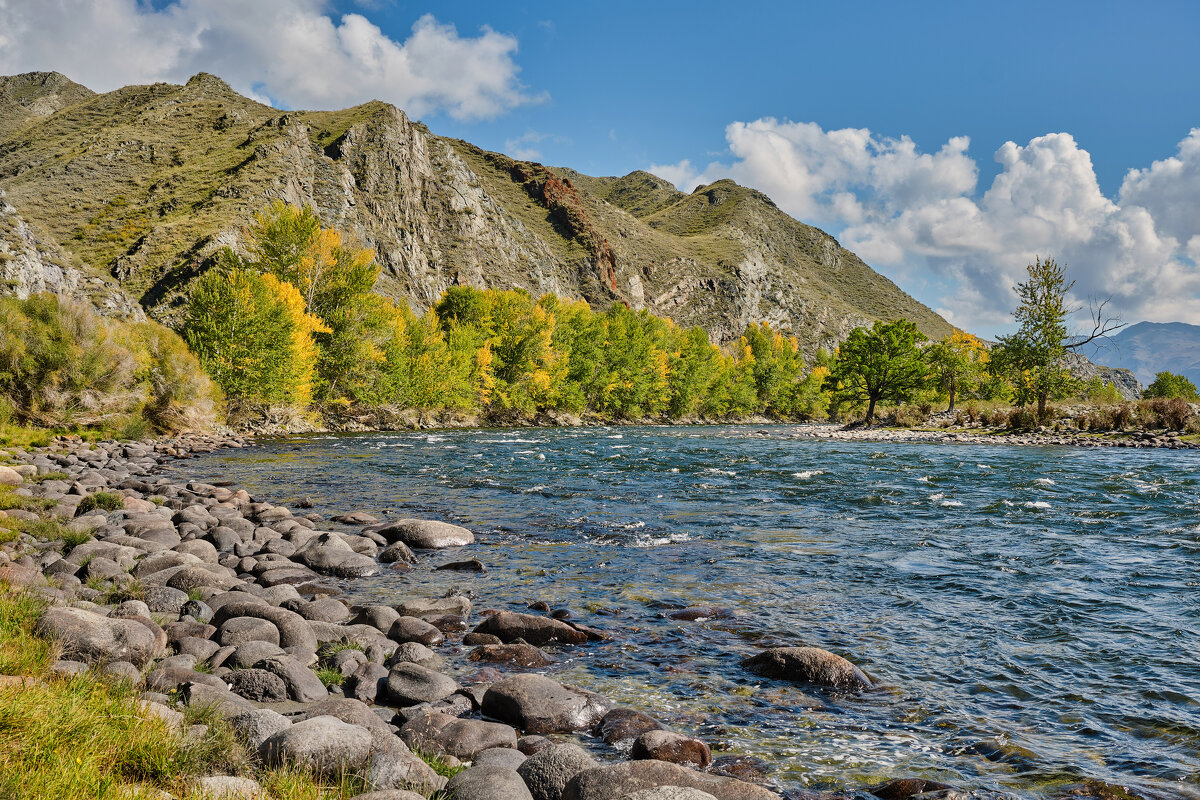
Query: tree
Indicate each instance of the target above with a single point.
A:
(883, 363)
(955, 361)
(1033, 358)
(1168, 384)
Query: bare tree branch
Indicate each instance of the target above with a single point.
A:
(1102, 325)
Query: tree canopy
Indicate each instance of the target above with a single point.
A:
(882, 363)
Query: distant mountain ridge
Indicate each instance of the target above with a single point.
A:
(1151, 347)
(136, 189)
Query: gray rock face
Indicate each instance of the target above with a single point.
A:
(488, 782)
(808, 665)
(258, 685)
(538, 631)
(461, 738)
(506, 757)
(548, 771)
(258, 725)
(411, 629)
(416, 653)
(537, 704)
(303, 684)
(521, 655)
(325, 744)
(239, 630)
(673, 747)
(86, 636)
(410, 684)
(618, 781)
(625, 724)
(330, 555)
(669, 793)
(424, 534)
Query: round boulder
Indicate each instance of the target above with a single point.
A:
(424, 534)
(326, 745)
(508, 626)
(89, 637)
(673, 747)
(808, 665)
(488, 782)
(548, 771)
(537, 704)
(410, 684)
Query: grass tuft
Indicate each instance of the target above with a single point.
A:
(105, 501)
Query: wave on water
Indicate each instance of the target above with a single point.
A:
(1044, 482)
(808, 473)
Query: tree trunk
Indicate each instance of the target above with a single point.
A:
(951, 408)
(870, 413)
(1041, 406)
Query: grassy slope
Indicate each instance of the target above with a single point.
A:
(136, 181)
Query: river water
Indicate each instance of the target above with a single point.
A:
(1031, 614)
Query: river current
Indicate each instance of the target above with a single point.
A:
(1032, 615)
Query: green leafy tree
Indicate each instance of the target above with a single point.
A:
(1168, 385)
(956, 362)
(879, 364)
(1034, 358)
(777, 366)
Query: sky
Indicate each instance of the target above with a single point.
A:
(947, 143)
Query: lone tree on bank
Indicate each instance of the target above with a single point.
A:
(1034, 358)
(883, 363)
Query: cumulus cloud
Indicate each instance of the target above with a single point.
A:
(290, 52)
(922, 218)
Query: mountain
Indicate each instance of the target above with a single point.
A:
(1150, 347)
(141, 186)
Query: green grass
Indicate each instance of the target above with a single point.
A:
(330, 676)
(105, 501)
(86, 738)
(10, 500)
(44, 530)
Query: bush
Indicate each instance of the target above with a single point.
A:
(62, 365)
(105, 501)
(1160, 412)
(1022, 419)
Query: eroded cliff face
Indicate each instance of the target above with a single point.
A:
(29, 266)
(146, 184)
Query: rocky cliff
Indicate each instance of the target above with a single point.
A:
(144, 184)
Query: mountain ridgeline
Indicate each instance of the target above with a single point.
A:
(132, 193)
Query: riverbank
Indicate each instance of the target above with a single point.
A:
(243, 597)
(1045, 437)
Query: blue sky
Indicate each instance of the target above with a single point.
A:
(945, 143)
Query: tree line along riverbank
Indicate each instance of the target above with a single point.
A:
(290, 336)
(162, 637)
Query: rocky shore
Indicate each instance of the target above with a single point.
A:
(1040, 437)
(203, 595)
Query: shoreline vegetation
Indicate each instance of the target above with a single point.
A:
(166, 638)
(289, 336)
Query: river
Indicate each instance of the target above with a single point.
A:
(1030, 613)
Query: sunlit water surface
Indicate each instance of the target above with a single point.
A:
(1031, 613)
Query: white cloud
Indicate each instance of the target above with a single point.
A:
(290, 51)
(921, 214)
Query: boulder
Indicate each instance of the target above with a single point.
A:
(259, 685)
(669, 793)
(520, 655)
(221, 700)
(258, 725)
(397, 552)
(548, 771)
(329, 554)
(904, 788)
(402, 769)
(303, 684)
(426, 534)
(368, 683)
(537, 704)
(294, 630)
(228, 787)
(625, 724)
(10, 477)
(508, 757)
(90, 637)
(239, 630)
(673, 747)
(416, 653)
(411, 629)
(539, 631)
(410, 684)
(461, 738)
(617, 781)
(428, 608)
(808, 665)
(324, 744)
(488, 782)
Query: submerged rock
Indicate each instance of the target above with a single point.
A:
(424, 534)
(808, 665)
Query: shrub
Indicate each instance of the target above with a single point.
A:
(62, 365)
(1023, 418)
(105, 501)
(1169, 385)
(1160, 412)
